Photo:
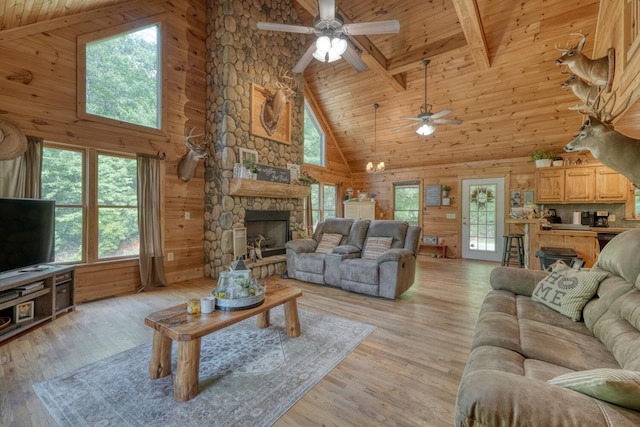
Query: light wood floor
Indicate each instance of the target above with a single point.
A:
(406, 373)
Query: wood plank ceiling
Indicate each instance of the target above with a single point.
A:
(492, 63)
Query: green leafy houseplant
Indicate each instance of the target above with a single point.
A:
(542, 154)
(251, 165)
(445, 188)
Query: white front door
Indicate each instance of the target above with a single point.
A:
(482, 218)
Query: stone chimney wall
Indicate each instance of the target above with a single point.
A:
(239, 55)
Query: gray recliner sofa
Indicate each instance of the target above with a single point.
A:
(351, 264)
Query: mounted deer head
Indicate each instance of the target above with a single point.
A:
(274, 104)
(613, 149)
(187, 166)
(596, 72)
(581, 89)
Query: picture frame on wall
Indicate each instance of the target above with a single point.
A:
(246, 154)
(23, 312)
(295, 171)
(432, 195)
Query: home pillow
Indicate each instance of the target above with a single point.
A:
(567, 290)
(616, 386)
(375, 246)
(328, 242)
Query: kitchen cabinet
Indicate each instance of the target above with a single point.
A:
(580, 184)
(610, 185)
(549, 185)
(360, 210)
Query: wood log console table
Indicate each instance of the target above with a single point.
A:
(175, 324)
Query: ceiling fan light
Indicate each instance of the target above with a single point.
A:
(425, 130)
(320, 55)
(339, 45)
(369, 167)
(333, 56)
(323, 43)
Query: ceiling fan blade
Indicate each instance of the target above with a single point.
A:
(327, 9)
(441, 114)
(381, 27)
(270, 26)
(417, 119)
(405, 127)
(447, 121)
(305, 60)
(354, 59)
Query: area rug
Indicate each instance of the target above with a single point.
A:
(248, 377)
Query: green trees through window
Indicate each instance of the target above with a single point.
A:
(123, 77)
(406, 205)
(314, 143)
(97, 221)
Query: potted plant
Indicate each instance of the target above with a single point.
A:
(542, 158)
(445, 190)
(558, 161)
(251, 167)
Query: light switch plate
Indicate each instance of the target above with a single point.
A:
(451, 216)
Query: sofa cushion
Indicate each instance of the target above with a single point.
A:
(620, 256)
(328, 242)
(389, 228)
(334, 226)
(375, 246)
(311, 263)
(567, 290)
(616, 386)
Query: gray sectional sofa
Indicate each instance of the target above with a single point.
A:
(371, 257)
(530, 365)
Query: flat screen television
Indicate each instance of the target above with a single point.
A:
(27, 233)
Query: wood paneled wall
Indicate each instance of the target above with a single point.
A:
(518, 174)
(38, 92)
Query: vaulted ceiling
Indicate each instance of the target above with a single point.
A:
(492, 63)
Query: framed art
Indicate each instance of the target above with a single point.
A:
(246, 154)
(432, 195)
(23, 312)
(295, 171)
(432, 240)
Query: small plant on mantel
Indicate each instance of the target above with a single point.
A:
(305, 179)
(542, 158)
(251, 166)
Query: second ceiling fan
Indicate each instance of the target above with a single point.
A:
(332, 43)
(426, 119)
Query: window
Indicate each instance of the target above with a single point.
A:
(406, 203)
(636, 193)
(313, 138)
(323, 202)
(98, 220)
(122, 78)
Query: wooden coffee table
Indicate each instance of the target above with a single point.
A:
(175, 324)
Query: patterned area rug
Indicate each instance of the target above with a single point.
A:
(248, 377)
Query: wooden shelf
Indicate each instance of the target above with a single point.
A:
(255, 188)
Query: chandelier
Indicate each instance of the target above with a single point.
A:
(380, 166)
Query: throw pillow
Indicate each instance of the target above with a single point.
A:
(328, 242)
(616, 386)
(375, 246)
(567, 290)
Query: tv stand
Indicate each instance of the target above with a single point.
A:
(35, 304)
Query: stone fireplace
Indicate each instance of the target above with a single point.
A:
(239, 55)
(269, 229)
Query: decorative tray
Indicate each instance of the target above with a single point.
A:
(227, 304)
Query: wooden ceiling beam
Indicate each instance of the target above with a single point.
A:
(412, 60)
(374, 58)
(76, 18)
(471, 23)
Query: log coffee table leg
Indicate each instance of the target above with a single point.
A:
(160, 363)
(263, 319)
(186, 383)
(291, 318)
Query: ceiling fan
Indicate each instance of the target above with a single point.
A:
(426, 119)
(331, 31)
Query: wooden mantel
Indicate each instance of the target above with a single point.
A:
(254, 188)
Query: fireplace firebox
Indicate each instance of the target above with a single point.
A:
(269, 229)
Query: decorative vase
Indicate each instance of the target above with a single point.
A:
(445, 193)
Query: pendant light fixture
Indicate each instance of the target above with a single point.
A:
(380, 166)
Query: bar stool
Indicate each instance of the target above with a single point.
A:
(512, 251)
